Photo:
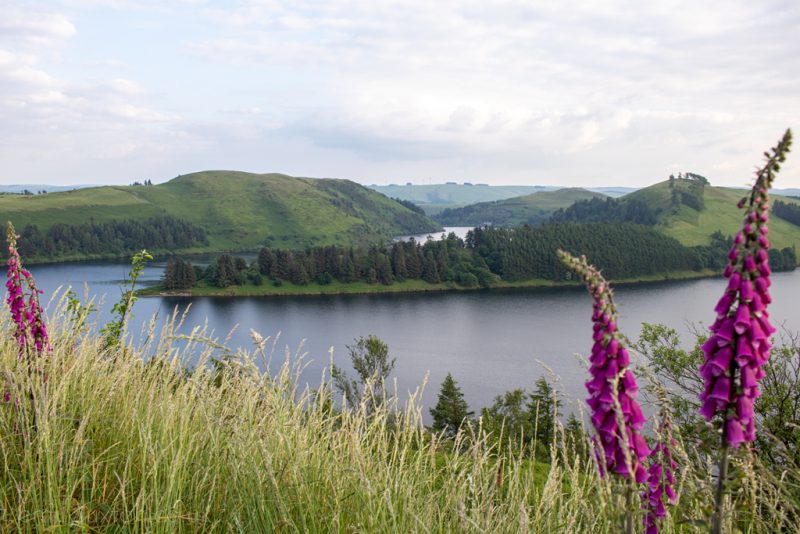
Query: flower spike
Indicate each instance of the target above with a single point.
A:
(616, 414)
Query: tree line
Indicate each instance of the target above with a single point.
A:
(446, 260)
(621, 250)
(607, 209)
(110, 238)
(789, 212)
(487, 255)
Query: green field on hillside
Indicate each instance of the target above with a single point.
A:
(238, 210)
(693, 227)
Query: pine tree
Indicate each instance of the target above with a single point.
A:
(225, 271)
(187, 275)
(266, 262)
(451, 410)
(413, 260)
(170, 273)
(542, 408)
(399, 261)
(429, 271)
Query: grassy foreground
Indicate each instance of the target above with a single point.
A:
(110, 443)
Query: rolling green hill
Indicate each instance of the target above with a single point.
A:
(528, 209)
(719, 213)
(237, 210)
(686, 209)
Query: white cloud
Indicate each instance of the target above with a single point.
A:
(125, 86)
(524, 91)
(33, 27)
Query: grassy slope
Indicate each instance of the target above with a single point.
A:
(515, 211)
(238, 210)
(76, 207)
(691, 227)
(114, 444)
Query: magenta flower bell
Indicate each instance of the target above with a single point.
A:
(27, 314)
(612, 389)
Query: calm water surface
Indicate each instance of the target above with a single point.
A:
(491, 341)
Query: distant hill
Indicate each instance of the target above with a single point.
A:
(528, 209)
(436, 197)
(686, 209)
(35, 188)
(791, 192)
(237, 210)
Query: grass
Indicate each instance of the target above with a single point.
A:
(692, 227)
(238, 210)
(130, 440)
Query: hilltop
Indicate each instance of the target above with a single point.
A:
(235, 210)
(434, 198)
(688, 209)
(527, 209)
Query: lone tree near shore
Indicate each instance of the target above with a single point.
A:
(370, 359)
(451, 410)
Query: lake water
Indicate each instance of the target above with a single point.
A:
(491, 341)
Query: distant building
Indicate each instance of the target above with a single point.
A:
(409, 183)
(467, 183)
(451, 183)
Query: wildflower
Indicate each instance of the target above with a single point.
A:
(27, 314)
(660, 477)
(616, 414)
(739, 345)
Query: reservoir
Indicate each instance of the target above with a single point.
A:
(491, 341)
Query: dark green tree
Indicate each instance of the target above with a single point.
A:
(543, 408)
(451, 410)
(429, 271)
(575, 439)
(225, 273)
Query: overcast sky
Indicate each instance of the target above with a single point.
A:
(503, 92)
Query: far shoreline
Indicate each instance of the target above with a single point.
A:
(406, 287)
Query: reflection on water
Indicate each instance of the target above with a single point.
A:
(491, 341)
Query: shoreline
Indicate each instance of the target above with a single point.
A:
(405, 287)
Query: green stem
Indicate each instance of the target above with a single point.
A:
(629, 503)
(716, 525)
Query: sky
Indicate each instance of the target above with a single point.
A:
(493, 91)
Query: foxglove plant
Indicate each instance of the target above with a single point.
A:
(739, 345)
(30, 329)
(660, 476)
(616, 414)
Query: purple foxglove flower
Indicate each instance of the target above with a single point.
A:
(612, 389)
(27, 314)
(739, 345)
(660, 476)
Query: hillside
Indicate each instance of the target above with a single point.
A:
(237, 210)
(435, 198)
(528, 209)
(685, 209)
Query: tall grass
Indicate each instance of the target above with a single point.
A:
(126, 439)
